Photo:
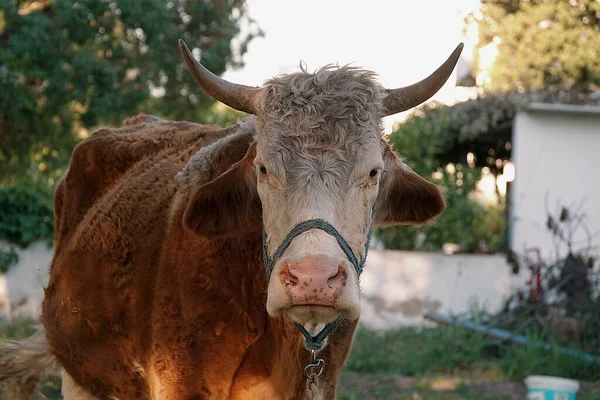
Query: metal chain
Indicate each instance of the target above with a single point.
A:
(315, 367)
(312, 372)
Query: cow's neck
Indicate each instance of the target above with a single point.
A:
(277, 346)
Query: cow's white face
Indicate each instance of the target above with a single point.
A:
(314, 281)
(317, 153)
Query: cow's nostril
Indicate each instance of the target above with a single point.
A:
(286, 276)
(339, 278)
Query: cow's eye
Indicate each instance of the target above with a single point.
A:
(262, 169)
(373, 173)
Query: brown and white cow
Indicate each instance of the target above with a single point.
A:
(158, 286)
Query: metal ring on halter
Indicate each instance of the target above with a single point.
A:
(314, 363)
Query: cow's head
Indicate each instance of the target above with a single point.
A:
(317, 153)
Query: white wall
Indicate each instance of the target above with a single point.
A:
(397, 286)
(21, 288)
(556, 159)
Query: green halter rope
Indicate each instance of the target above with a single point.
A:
(316, 342)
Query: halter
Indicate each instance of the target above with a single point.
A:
(317, 342)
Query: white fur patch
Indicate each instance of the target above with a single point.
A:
(72, 391)
(314, 329)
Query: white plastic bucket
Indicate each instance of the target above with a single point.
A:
(550, 388)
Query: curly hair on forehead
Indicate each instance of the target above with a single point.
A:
(331, 93)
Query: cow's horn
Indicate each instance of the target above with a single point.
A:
(402, 99)
(240, 97)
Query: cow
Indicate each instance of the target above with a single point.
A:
(200, 262)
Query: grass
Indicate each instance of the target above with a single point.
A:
(16, 329)
(450, 363)
(432, 363)
(453, 350)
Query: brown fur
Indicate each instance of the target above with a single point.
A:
(234, 190)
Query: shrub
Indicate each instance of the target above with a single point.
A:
(421, 141)
(25, 217)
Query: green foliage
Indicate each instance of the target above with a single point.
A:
(68, 66)
(450, 350)
(541, 42)
(7, 258)
(453, 350)
(25, 214)
(25, 217)
(17, 328)
(532, 359)
(422, 141)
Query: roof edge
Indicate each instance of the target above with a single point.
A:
(563, 108)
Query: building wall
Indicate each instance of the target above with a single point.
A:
(21, 288)
(397, 286)
(556, 159)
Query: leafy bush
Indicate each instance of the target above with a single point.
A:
(25, 214)
(25, 217)
(67, 67)
(7, 258)
(421, 141)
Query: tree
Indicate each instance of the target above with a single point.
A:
(541, 43)
(424, 140)
(67, 66)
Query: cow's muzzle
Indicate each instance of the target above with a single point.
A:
(315, 342)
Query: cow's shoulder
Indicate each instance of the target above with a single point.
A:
(141, 149)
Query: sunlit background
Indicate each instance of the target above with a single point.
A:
(512, 139)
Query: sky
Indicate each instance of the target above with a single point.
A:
(403, 41)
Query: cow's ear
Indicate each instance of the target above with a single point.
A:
(404, 196)
(228, 205)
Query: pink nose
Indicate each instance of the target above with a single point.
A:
(313, 280)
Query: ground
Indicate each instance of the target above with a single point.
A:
(429, 364)
(355, 386)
